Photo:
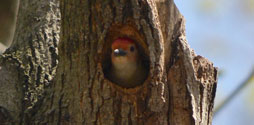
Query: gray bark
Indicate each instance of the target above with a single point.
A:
(28, 66)
(180, 88)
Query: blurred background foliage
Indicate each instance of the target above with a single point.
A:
(220, 30)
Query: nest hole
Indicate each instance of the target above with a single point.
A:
(124, 31)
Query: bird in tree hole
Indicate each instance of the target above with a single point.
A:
(127, 68)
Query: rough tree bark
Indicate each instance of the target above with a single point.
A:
(179, 90)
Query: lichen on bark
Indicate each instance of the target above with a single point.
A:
(33, 53)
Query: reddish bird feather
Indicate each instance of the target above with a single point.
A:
(122, 42)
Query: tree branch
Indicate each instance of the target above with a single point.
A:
(234, 93)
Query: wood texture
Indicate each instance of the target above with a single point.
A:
(179, 90)
(28, 66)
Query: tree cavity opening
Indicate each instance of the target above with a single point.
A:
(127, 31)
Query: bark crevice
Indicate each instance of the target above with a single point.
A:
(180, 87)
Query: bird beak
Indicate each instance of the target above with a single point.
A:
(119, 52)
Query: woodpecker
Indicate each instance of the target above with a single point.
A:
(127, 68)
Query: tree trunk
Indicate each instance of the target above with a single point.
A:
(180, 88)
(8, 14)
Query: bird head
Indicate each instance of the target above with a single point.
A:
(124, 52)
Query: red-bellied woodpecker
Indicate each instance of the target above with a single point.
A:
(127, 69)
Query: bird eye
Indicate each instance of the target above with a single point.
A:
(132, 48)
